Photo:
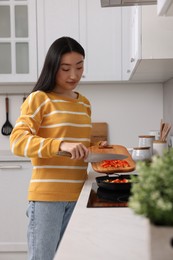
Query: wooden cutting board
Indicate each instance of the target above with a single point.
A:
(99, 132)
(112, 149)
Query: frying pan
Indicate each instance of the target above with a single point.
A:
(7, 127)
(120, 187)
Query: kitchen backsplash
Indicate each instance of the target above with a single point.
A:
(168, 103)
(129, 109)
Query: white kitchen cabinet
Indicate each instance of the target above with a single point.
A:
(165, 7)
(15, 177)
(100, 34)
(96, 28)
(155, 51)
(55, 19)
(18, 52)
(157, 35)
(131, 40)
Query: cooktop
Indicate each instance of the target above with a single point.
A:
(103, 198)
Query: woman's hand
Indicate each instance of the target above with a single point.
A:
(77, 150)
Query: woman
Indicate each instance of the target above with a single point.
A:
(54, 117)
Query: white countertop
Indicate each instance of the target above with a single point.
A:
(103, 233)
(7, 156)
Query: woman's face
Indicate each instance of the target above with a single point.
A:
(70, 72)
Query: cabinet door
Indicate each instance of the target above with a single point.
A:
(55, 19)
(97, 29)
(126, 42)
(155, 60)
(157, 35)
(100, 34)
(165, 7)
(131, 40)
(15, 177)
(135, 37)
(18, 41)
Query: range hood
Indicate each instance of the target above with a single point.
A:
(111, 3)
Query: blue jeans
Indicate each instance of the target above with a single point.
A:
(47, 223)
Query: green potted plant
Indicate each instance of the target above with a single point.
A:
(152, 197)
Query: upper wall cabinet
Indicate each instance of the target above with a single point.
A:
(97, 29)
(131, 40)
(100, 34)
(18, 59)
(55, 19)
(151, 50)
(165, 7)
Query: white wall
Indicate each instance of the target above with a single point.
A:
(129, 110)
(168, 103)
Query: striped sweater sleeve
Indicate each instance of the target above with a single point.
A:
(45, 121)
(24, 140)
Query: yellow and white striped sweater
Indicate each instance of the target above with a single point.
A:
(46, 120)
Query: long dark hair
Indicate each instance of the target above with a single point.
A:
(63, 45)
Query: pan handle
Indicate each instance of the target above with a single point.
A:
(6, 104)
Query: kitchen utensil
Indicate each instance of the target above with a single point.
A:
(161, 127)
(97, 157)
(7, 127)
(116, 149)
(104, 182)
(166, 131)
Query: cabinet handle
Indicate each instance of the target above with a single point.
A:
(10, 166)
(128, 71)
(132, 60)
(83, 76)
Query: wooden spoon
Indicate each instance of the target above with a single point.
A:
(161, 124)
(166, 131)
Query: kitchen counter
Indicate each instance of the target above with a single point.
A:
(103, 233)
